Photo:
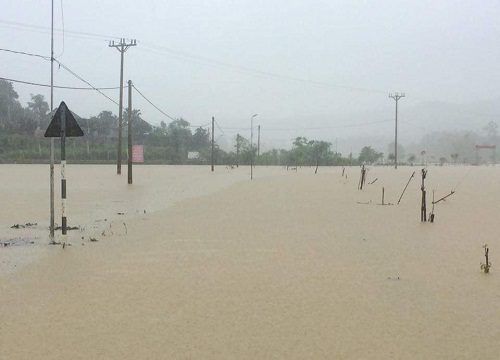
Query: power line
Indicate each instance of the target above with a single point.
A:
(220, 128)
(417, 126)
(63, 38)
(164, 113)
(85, 81)
(60, 65)
(43, 29)
(57, 87)
(315, 128)
(26, 53)
(249, 71)
(153, 105)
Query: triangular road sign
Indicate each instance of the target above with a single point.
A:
(72, 127)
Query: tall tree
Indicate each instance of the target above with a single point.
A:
(369, 155)
(140, 128)
(179, 135)
(491, 131)
(10, 108)
(201, 140)
(40, 109)
(320, 150)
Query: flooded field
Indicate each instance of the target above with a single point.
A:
(189, 264)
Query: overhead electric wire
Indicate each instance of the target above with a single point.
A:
(220, 128)
(417, 126)
(85, 81)
(163, 112)
(314, 128)
(58, 87)
(63, 38)
(210, 62)
(153, 105)
(65, 68)
(219, 64)
(43, 29)
(26, 53)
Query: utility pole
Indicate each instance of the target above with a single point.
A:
(122, 46)
(129, 131)
(237, 150)
(251, 146)
(52, 241)
(396, 97)
(213, 122)
(258, 145)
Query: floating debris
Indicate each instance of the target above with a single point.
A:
(443, 198)
(21, 226)
(68, 228)
(20, 241)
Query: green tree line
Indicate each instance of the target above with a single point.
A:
(22, 140)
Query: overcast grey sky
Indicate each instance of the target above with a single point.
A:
(314, 64)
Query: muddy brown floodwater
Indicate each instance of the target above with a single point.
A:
(189, 264)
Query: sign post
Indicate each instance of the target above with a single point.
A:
(63, 125)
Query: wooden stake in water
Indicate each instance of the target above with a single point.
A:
(406, 186)
(443, 198)
(423, 208)
(431, 215)
(486, 267)
(362, 178)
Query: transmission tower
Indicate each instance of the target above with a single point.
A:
(122, 46)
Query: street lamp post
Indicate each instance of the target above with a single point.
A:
(396, 97)
(251, 146)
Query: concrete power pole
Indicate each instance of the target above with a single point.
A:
(396, 97)
(251, 146)
(237, 150)
(213, 121)
(258, 145)
(122, 46)
(129, 134)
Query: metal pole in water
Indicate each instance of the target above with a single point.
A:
(52, 241)
(63, 175)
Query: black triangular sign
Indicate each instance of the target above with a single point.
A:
(72, 127)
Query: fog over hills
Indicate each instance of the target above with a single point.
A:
(375, 128)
